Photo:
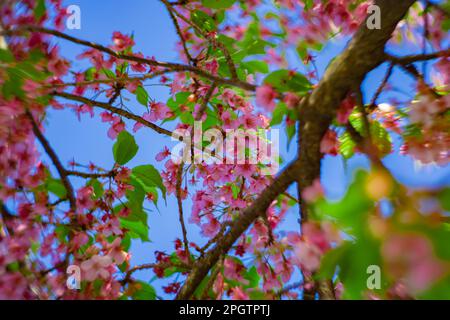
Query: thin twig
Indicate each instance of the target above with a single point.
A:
(56, 162)
(180, 210)
(169, 65)
(380, 89)
(220, 45)
(92, 175)
(115, 110)
(206, 99)
(417, 57)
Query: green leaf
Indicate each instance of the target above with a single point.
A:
(352, 210)
(56, 187)
(302, 51)
(290, 131)
(39, 10)
(28, 70)
(6, 56)
(98, 188)
(253, 277)
(148, 176)
(62, 232)
(89, 74)
(218, 4)
(439, 291)
(444, 197)
(125, 148)
(353, 267)
(136, 228)
(126, 242)
(145, 292)
(285, 80)
(346, 145)
(109, 73)
(203, 20)
(135, 202)
(14, 266)
(381, 138)
(256, 66)
(331, 260)
(308, 4)
(278, 114)
(142, 96)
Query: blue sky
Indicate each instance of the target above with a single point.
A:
(154, 35)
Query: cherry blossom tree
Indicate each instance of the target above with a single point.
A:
(233, 73)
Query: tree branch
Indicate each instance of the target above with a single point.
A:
(418, 57)
(56, 162)
(169, 65)
(90, 175)
(115, 110)
(180, 210)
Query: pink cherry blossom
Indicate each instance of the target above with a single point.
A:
(265, 97)
(96, 267)
(121, 41)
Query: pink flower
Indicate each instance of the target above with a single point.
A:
(265, 97)
(210, 228)
(245, 170)
(116, 253)
(79, 240)
(425, 110)
(117, 127)
(250, 121)
(313, 192)
(291, 100)
(329, 143)
(96, 267)
(159, 111)
(84, 198)
(96, 58)
(308, 255)
(410, 258)
(112, 228)
(239, 294)
(228, 122)
(321, 235)
(345, 110)
(163, 154)
(132, 86)
(212, 66)
(136, 66)
(107, 117)
(121, 42)
(233, 270)
(57, 65)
